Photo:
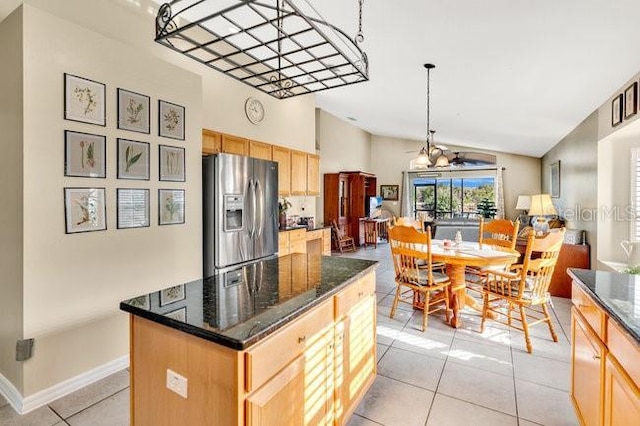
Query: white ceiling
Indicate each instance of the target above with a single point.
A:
(511, 75)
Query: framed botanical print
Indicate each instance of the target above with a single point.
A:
(84, 210)
(170, 206)
(554, 179)
(171, 163)
(631, 100)
(616, 110)
(171, 120)
(84, 100)
(132, 208)
(133, 159)
(133, 111)
(84, 155)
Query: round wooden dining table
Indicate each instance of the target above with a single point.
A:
(457, 258)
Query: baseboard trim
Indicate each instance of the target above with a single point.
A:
(10, 393)
(45, 396)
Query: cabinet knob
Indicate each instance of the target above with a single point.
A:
(361, 294)
(301, 339)
(597, 357)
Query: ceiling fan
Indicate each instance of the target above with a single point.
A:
(471, 158)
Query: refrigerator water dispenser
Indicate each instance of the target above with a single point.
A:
(233, 208)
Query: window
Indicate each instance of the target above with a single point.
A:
(451, 198)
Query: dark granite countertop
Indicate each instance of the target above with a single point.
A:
(238, 308)
(616, 293)
(291, 228)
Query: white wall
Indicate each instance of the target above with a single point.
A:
(614, 192)
(75, 281)
(11, 166)
(343, 147)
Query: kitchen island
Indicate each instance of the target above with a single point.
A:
(283, 341)
(605, 347)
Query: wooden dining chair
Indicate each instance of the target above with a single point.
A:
(342, 241)
(525, 287)
(500, 233)
(416, 281)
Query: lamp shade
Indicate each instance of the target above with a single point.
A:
(541, 205)
(524, 202)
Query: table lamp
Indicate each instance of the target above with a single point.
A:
(541, 206)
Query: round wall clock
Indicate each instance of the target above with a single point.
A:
(254, 110)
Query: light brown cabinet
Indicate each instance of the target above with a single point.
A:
(313, 174)
(211, 142)
(604, 368)
(622, 396)
(355, 354)
(235, 145)
(298, 172)
(293, 241)
(260, 150)
(587, 353)
(282, 156)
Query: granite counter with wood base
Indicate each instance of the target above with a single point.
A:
(605, 347)
(286, 341)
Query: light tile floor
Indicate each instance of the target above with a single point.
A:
(440, 377)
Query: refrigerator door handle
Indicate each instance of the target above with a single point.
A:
(260, 204)
(251, 210)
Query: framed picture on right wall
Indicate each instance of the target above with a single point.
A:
(554, 179)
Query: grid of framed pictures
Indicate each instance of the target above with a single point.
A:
(625, 105)
(85, 156)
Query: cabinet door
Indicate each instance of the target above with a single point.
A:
(260, 150)
(326, 242)
(283, 243)
(587, 375)
(301, 393)
(235, 145)
(621, 396)
(313, 174)
(298, 172)
(282, 156)
(355, 356)
(211, 142)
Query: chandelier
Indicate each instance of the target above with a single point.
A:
(281, 47)
(430, 150)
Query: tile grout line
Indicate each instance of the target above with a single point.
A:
(92, 405)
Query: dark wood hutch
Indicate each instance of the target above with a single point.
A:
(345, 195)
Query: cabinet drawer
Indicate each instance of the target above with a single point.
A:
(314, 235)
(589, 310)
(351, 296)
(279, 349)
(283, 243)
(297, 235)
(624, 350)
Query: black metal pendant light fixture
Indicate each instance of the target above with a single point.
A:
(424, 157)
(280, 47)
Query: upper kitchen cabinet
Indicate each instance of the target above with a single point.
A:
(211, 142)
(313, 174)
(298, 172)
(282, 156)
(235, 145)
(260, 150)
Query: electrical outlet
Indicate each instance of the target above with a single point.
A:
(177, 383)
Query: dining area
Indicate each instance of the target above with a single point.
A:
(488, 276)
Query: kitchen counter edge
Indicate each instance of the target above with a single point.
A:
(214, 337)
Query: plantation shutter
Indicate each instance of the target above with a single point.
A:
(635, 194)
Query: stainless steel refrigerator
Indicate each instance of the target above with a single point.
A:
(240, 216)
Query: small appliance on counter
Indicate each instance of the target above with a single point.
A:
(309, 222)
